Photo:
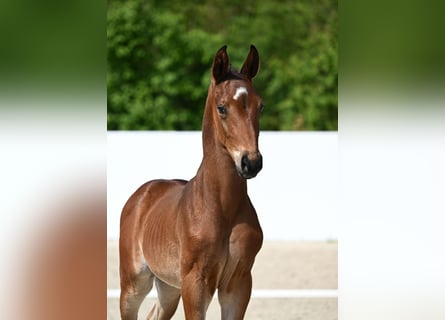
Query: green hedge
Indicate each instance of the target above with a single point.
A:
(160, 53)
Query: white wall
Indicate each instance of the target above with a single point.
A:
(295, 194)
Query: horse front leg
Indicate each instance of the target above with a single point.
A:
(197, 292)
(234, 296)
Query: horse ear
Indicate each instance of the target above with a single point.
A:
(252, 63)
(221, 64)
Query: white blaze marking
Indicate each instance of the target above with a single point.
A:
(239, 91)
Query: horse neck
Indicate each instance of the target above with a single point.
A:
(217, 171)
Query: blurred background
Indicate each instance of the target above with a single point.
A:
(159, 55)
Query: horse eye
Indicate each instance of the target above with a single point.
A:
(221, 109)
(261, 108)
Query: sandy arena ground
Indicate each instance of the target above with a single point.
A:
(279, 265)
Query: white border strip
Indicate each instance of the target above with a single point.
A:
(294, 293)
(263, 293)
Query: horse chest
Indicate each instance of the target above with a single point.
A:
(222, 248)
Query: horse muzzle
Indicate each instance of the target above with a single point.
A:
(250, 164)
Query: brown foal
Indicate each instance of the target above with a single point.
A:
(191, 238)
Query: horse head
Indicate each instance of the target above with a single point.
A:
(236, 108)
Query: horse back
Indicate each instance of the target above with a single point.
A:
(147, 196)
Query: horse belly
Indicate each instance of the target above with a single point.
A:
(164, 264)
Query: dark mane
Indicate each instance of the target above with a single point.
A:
(234, 75)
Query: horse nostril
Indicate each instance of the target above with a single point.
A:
(250, 166)
(245, 163)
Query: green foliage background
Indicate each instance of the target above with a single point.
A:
(160, 53)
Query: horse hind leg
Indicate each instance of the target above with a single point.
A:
(134, 288)
(168, 299)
